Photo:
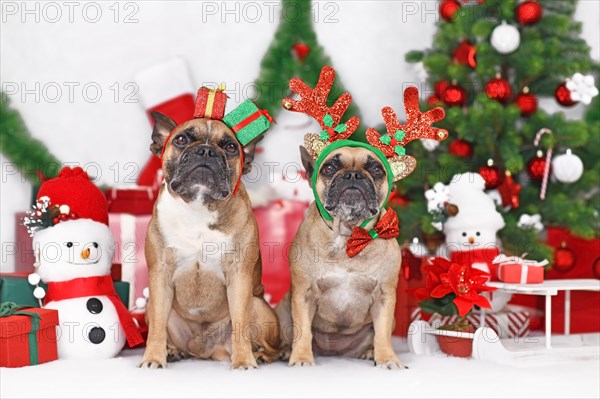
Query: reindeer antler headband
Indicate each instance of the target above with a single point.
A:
(313, 102)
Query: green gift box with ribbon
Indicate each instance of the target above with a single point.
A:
(14, 287)
(27, 335)
(248, 121)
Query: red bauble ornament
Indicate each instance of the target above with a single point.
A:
(448, 9)
(440, 88)
(491, 174)
(461, 148)
(529, 12)
(510, 191)
(454, 95)
(301, 50)
(465, 54)
(498, 89)
(563, 96)
(564, 259)
(527, 103)
(536, 167)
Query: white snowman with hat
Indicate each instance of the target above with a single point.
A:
(470, 223)
(74, 250)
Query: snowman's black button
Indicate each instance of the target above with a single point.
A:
(94, 305)
(97, 335)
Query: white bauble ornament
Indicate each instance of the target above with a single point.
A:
(505, 38)
(567, 168)
(140, 303)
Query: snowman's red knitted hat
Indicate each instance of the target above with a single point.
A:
(73, 187)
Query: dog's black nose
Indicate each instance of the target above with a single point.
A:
(206, 151)
(353, 175)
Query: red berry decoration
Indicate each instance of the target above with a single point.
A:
(491, 174)
(73, 215)
(454, 95)
(301, 50)
(448, 9)
(536, 167)
(55, 220)
(461, 148)
(527, 103)
(465, 54)
(529, 12)
(563, 96)
(564, 259)
(498, 89)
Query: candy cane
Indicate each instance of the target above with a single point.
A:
(538, 136)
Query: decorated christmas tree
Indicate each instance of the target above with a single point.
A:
(490, 63)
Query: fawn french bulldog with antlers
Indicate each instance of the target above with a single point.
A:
(345, 259)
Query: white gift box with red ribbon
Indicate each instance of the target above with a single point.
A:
(517, 270)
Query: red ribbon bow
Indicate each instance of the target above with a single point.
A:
(265, 113)
(386, 228)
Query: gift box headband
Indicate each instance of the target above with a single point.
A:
(390, 147)
(247, 121)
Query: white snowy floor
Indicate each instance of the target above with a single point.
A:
(428, 376)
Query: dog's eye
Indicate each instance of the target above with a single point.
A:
(377, 171)
(231, 148)
(181, 140)
(329, 169)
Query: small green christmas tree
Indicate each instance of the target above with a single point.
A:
(478, 43)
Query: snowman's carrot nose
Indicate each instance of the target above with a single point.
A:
(85, 253)
(471, 240)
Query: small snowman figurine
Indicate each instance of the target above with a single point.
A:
(74, 249)
(471, 226)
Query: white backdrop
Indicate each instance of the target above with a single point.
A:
(55, 56)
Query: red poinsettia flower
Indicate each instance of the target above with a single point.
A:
(466, 283)
(437, 267)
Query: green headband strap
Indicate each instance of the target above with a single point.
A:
(349, 143)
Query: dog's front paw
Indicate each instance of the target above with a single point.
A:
(153, 363)
(243, 362)
(390, 362)
(301, 359)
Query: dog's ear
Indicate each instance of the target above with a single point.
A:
(308, 162)
(249, 154)
(163, 126)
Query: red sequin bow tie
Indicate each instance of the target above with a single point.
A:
(386, 228)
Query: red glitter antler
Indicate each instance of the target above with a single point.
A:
(417, 126)
(313, 102)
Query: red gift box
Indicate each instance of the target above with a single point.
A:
(520, 274)
(515, 270)
(25, 340)
(210, 103)
(136, 200)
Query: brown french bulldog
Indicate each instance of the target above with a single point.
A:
(345, 259)
(202, 249)
(340, 305)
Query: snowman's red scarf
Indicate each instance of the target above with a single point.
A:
(95, 286)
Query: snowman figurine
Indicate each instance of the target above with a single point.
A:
(471, 228)
(74, 249)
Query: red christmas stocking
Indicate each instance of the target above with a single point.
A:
(168, 89)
